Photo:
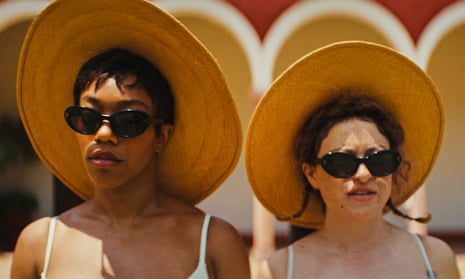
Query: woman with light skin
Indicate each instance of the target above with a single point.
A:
(121, 118)
(363, 127)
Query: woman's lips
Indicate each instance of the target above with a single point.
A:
(103, 159)
(361, 194)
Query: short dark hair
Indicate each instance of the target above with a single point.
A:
(118, 63)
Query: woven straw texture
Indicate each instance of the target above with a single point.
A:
(206, 142)
(379, 71)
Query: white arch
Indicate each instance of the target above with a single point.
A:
(302, 12)
(15, 12)
(447, 19)
(222, 12)
(230, 18)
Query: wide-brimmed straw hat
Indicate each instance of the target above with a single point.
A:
(391, 78)
(206, 142)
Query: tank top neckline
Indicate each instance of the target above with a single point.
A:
(429, 270)
(199, 273)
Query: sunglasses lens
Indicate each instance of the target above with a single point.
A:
(125, 124)
(343, 165)
(340, 165)
(128, 124)
(383, 163)
(83, 120)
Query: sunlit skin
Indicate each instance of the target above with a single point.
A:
(359, 196)
(129, 228)
(355, 241)
(112, 162)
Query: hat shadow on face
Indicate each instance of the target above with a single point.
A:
(206, 141)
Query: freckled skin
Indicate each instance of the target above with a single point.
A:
(355, 242)
(360, 138)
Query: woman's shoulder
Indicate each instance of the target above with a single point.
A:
(278, 261)
(441, 256)
(436, 247)
(275, 266)
(33, 238)
(36, 232)
(222, 232)
(226, 249)
(219, 232)
(30, 248)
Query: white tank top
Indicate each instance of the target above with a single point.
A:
(199, 273)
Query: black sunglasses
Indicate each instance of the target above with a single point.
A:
(345, 165)
(127, 123)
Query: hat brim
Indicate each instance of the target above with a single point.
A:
(391, 78)
(206, 142)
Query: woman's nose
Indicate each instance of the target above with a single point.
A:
(362, 172)
(105, 133)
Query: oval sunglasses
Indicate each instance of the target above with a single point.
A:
(126, 123)
(345, 165)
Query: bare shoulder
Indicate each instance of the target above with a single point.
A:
(34, 235)
(441, 256)
(277, 264)
(263, 270)
(222, 234)
(30, 249)
(227, 250)
(220, 228)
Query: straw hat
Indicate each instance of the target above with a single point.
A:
(206, 143)
(394, 80)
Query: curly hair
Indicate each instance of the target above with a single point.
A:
(348, 104)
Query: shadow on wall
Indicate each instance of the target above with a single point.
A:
(16, 205)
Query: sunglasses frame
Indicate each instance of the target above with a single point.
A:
(70, 112)
(357, 161)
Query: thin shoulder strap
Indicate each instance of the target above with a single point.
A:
(48, 250)
(290, 261)
(203, 239)
(425, 257)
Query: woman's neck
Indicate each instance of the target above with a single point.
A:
(127, 204)
(355, 235)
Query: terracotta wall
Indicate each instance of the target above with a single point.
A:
(414, 14)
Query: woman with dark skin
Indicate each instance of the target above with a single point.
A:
(141, 147)
(354, 153)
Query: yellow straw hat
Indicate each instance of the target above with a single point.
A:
(206, 142)
(398, 83)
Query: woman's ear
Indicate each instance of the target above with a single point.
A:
(309, 172)
(163, 137)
